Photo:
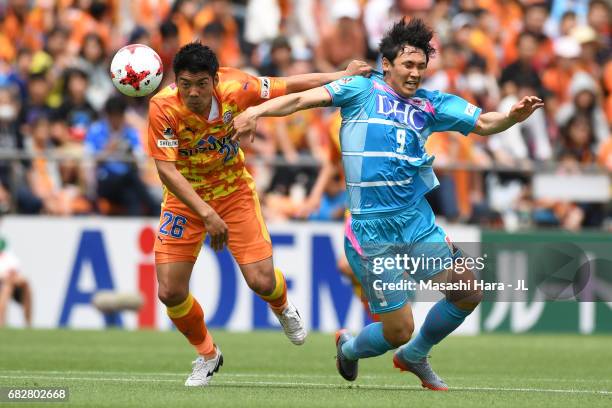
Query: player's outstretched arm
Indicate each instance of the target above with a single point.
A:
(246, 122)
(180, 187)
(299, 83)
(494, 122)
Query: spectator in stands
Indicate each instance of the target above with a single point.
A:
(47, 182)
(13, 285)
(182, 15)
(524, 67)
(604, 155)
(220, 13)
(35, 103)
(76, 109)
(558, 76)
(527, 141)
(568, 23)
(479, 83)
(577, 148)
(11, 143)
(533, 22)
(585, 102)
(598, 17)
(333, 200)
(93, 61)
(280, 59)
(56, 54)
(450, 77)
(344, 40)
(117, 148)
(170, 44)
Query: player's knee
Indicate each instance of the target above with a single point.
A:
(398, 335)
(21, 282)
(171, 296)
(467, 300)
(474, 299)
(262, 284)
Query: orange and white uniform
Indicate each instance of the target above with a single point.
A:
(213, 164)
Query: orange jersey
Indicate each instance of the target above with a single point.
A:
(333, 143)
(201, 147)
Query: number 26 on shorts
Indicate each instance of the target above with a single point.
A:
(172, 224)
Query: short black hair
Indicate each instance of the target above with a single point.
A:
(168, 29)
(115, 105)
(414, 33)
(195, 57)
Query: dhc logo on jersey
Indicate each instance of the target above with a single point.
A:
(401, 112)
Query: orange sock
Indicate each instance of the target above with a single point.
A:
(188, 317)
(278, 298)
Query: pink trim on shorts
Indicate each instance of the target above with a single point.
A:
(348, 231)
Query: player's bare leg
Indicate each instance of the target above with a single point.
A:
(188, 317)
(443, 318)
(6, 291)
(26, 299)
(269, 283)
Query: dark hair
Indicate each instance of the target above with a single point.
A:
(567, 14)
(414, 33)
(137, 32)
(115, 105)
(37, 76)
(95, 37)
(280, 42)
(195, 57)
(72, 72)
(168, 29)
(578, 118)
(213, 29)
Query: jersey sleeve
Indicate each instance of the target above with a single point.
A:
(255, 90)
(162, 134)
(454, 113)
(348, 90)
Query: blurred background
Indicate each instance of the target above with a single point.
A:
(71, 146)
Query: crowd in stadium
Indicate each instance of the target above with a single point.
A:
(69, 144)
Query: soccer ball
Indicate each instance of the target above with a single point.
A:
(136, 70)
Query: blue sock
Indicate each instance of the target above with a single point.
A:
(443, 318)
(369, 342)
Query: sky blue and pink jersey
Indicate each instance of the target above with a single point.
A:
(383, 137)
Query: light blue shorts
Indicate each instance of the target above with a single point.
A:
(387, 250)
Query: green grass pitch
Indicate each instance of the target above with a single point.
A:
(262, 369)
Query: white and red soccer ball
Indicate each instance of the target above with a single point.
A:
(136, 70)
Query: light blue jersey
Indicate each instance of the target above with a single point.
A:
(387, 175)
(383, 137)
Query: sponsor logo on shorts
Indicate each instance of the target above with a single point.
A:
(167, 143)
(265, 87)
(470, 109)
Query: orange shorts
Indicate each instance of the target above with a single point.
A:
(181, 232)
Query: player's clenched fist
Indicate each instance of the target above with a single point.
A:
(217, 229)
(357, 67)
